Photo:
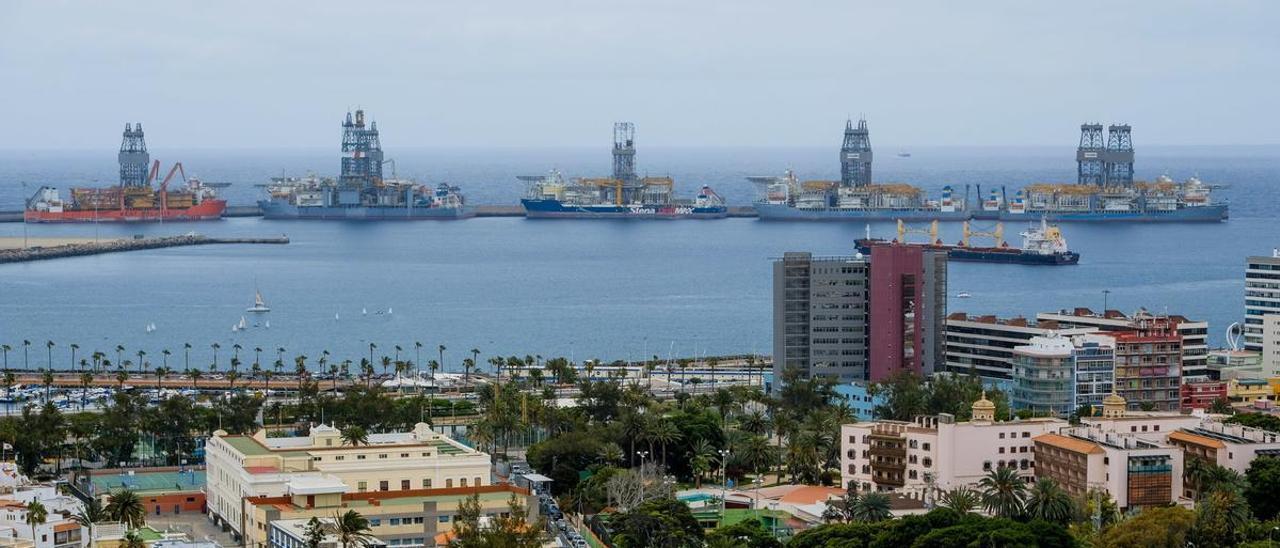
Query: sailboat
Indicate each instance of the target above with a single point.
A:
(259, 306)
(335, 315)
(242, 325)
(364, 311)
(268, 325)
(388, 310)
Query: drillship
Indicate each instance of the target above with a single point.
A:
(135, 199)
(361, 193)
(623, 196)
(1105, 191)
(854, 197)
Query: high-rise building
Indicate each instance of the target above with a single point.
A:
(1271, 345)
(907, 309)
(859, 318)
(820, 316)
(1261, 296)
(1095, 363)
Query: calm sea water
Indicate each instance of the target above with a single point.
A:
(607, 289)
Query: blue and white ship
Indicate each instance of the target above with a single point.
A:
(361, 193)
(551, 197)
(622, 196)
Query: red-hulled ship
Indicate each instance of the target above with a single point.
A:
(134, 199)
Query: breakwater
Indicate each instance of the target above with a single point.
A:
(490, 210)
(38, 253)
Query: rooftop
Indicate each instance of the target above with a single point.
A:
(1071, 444)
(149, 482)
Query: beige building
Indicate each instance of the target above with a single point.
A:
(259, 466)
(1271, 345)
(408, 519)
(938, 452)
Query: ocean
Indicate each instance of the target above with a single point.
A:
(577, 288)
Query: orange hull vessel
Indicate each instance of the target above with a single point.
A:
(208, 209)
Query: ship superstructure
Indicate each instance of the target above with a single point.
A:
(135, 199)
(361, 192)
(624, 195)
(1105, 190)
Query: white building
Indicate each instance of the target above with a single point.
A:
(258, 466)
(1271, 345)
(984, 344)
(60, 530)
(938, 452)
(1194, 334)
(1261, 296)
(292, 533)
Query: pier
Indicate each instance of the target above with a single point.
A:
(71, 248)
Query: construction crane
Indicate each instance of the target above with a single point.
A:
(932, 231)
(996, 235)
(164, 184)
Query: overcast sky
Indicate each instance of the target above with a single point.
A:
(544, 73)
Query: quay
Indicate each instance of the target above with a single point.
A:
(80, 248)
(488, 210)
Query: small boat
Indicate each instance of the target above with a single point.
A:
(150, 327)
(335, 315)
(242, 325)
(963, 295)
(259, 306)
(268, 324)
(364, 311)
(388, 310)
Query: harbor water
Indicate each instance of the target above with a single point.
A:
(579, 288)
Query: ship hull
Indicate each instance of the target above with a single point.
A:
(1199, 214)
(554, 209)
(978, 255)
(208, 210)
(782, 212)
(284, 211)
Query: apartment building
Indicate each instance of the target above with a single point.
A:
(983, 345)
(1194, 344)
(413, 518)
(261, 466)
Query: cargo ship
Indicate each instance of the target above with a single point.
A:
(134, 199)
(622, 196)
(361, 193)
(1041, 245)
(1105, 191)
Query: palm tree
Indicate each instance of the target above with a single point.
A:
(86, 378)
(872, 507)
(74, 347)
(215, 347)
(354, 436)
(231, 379)
(962, 500)
(165, 360)
(235, 350)
(141, 353)
(133, 540)
(372, 346)
(257, 354)
(195, 378)
(122, 375)
(124, 506)
(386, 362)
(49, 350)
(186, 355)
(47, 378)
(351, 529)
(37, 514)
(417, 354)
(26, 363)
(91, 514)
(1049, 502)
(1003, 492)
(161, 373)
(4, 348)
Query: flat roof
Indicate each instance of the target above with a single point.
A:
(145, 483)
(537, 477)
(1196, 438)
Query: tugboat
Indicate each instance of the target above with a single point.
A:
(1041, 245)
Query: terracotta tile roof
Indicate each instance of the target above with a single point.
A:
(1070, 444)
(1196, 439)
(809, 494)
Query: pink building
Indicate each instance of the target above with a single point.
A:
(907, 310)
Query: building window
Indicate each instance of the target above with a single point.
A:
(442, 519)
(426, 483)
(362, 486)
(925, 446)
(448, 482)
(986, 466)
(1002, 450)
(393, 521)
(404, 485)
(477, 484)
(1026, 434)
(382, 455)
(1002, 435)
(375, 522)
(464, 482)
(383, 485)
(340, 457)
(360, 457)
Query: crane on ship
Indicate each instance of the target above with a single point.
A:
(996, 234)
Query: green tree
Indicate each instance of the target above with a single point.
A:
(125, 507)
(354, 436)
(1263, 478)
(510, 531)
(657, 522)
(872, 507)
(1003, 492)
(351, 528)
(1046, 500)
(133, 540)
(961, 500)
(1158, 527)
(1221, 518)
(91, 514)
(315, 531)
(37, 514)
(750, 533)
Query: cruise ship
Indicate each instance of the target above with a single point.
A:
(622, 196)
(361, 193)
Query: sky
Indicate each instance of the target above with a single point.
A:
(552, 73)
